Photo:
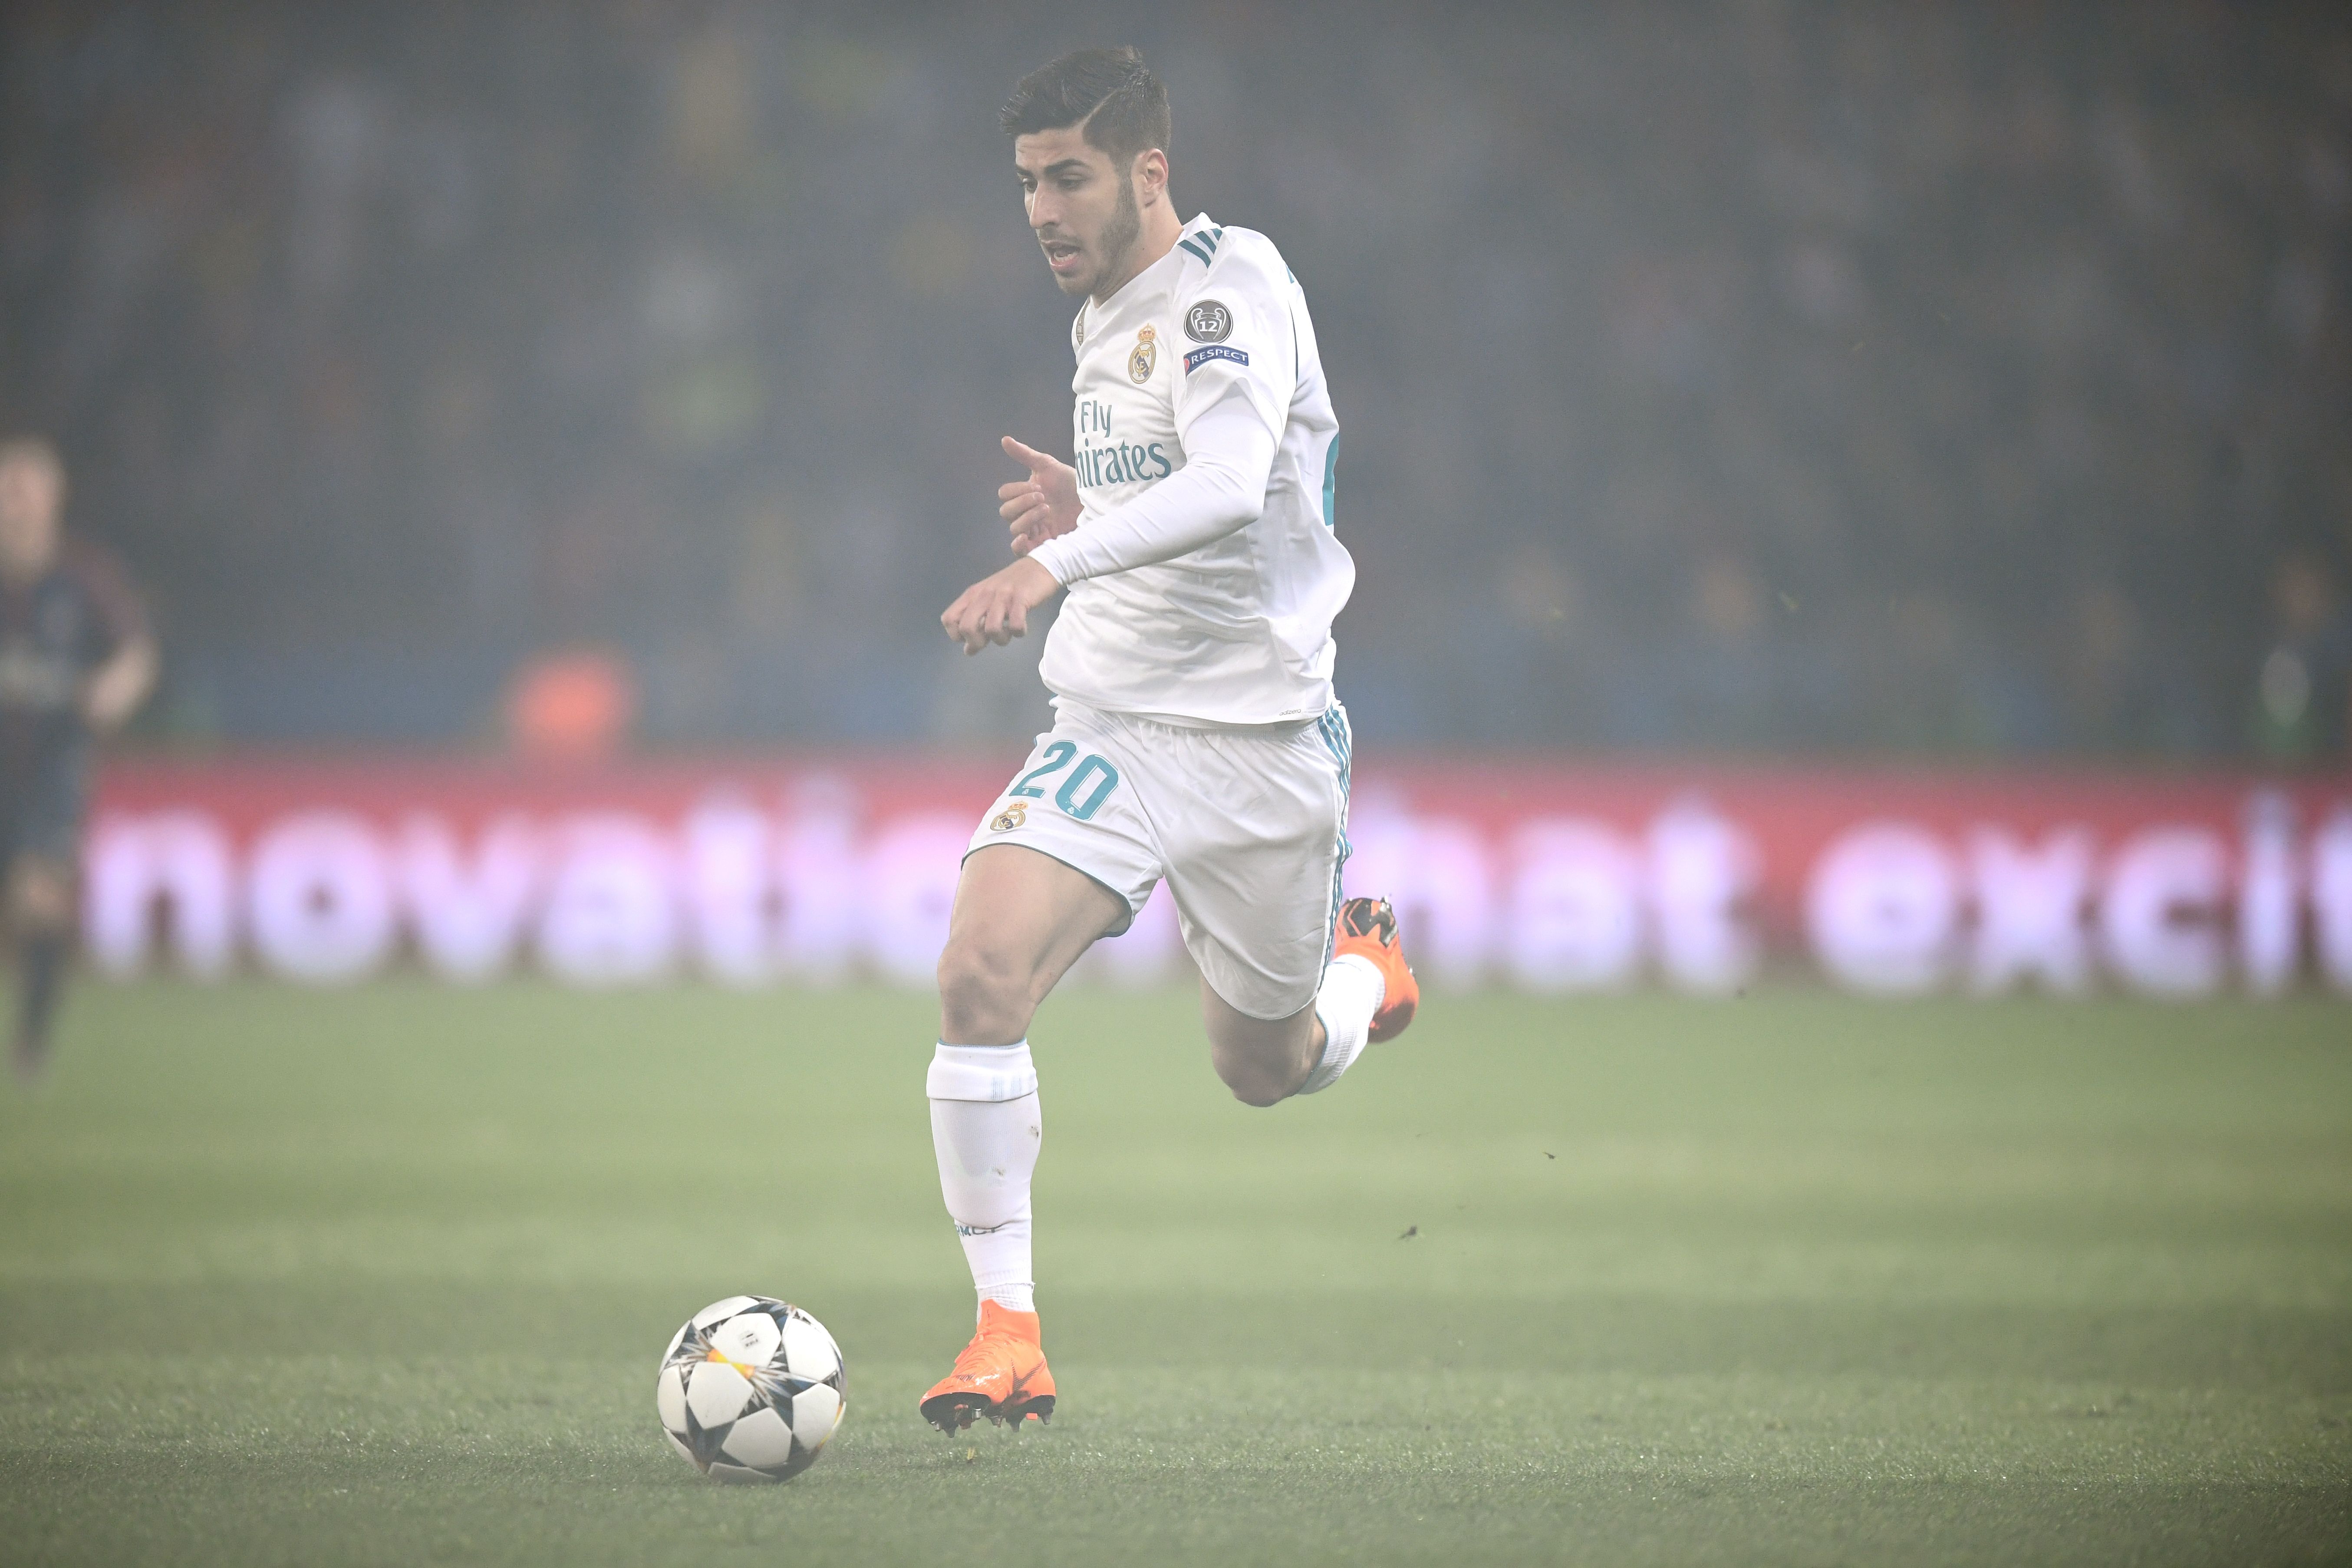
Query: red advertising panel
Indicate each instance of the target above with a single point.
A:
(1542, 875)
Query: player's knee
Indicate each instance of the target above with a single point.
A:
(984, 996)
(1255, 1079)
(1259, 1093)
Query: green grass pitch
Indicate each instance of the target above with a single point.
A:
(381, 1275)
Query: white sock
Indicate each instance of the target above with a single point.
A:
(1351, 993)
(985, 1130)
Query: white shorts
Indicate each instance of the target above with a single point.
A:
(1248, 827)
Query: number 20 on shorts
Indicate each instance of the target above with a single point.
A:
(1093, 771)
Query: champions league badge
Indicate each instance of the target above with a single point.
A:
(1146, 355)
(1014, 815)
(1208, 321)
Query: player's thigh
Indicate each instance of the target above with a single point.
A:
(1066, 855)
(1254, 866)
(1023, 913)
(1021, 919)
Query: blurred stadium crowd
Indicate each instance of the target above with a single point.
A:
(1928, 379)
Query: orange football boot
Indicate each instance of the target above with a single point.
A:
(1000, 1375)
(1367, 927)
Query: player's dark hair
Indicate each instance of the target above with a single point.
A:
(1122, 105)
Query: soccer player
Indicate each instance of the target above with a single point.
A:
(1196, 738)
(76, 660)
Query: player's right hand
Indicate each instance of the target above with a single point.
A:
(997, 608)
(1042, 507)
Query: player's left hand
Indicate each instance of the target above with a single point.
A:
(997, 608)
(1042, 507)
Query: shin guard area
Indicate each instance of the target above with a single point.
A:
(986, 1130)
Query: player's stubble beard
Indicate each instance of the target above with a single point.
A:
(1118, 241)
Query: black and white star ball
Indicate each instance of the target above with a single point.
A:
(749, 1390)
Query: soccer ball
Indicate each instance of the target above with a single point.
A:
(749, 1389)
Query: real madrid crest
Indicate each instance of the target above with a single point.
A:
(1010, 817)
(1146, 355)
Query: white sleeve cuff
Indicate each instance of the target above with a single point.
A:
(1055, 558)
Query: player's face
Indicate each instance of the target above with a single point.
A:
(1082, 207)
(30, 492)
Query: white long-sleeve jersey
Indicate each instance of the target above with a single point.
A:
(1204, 574)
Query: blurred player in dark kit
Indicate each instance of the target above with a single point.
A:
(76, 660)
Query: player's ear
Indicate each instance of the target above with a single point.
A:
(1152, 173)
